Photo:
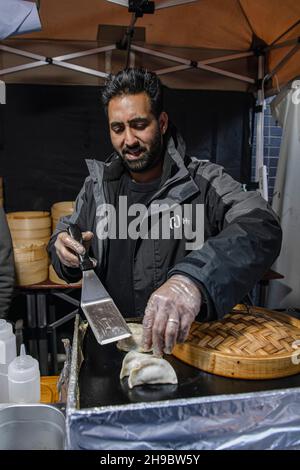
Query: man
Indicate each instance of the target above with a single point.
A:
(165, 279)
(7, 272)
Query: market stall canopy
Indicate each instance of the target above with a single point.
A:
(200, 33)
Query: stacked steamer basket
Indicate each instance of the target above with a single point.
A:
(61, 209)
(58, 210)
(1, 192)
(31, 263)
(30, 233)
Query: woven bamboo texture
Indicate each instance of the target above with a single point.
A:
(251, 343)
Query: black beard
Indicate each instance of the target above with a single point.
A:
(149, 158)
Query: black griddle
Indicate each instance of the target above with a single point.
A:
(100, 385)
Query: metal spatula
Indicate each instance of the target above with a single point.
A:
(103, 316)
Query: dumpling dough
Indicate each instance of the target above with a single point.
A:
(132, 360)
(134, 342)
(147, 369)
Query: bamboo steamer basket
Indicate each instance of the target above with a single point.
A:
(28, 220)
(249, 343)
(29, 252)
(30, 226)
(31, 263)
(60, 209)
(54, 277)
(57, 280)
(31, 234)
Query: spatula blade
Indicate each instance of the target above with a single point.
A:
(103, 316)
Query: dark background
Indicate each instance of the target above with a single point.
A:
(46, 132)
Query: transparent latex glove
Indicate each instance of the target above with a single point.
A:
(169, 314)
(67, 249)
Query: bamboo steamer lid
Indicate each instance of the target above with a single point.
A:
(64, 207)
(249, 343)
(28, 220)
(31, 273)
(30, 226)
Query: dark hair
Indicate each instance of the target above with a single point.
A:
(132, 81)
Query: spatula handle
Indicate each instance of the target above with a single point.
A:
(84, 261)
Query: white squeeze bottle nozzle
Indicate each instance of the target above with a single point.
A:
(22, 350)
(8, 352)
(24, 379)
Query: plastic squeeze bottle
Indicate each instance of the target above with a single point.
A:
(8, 352)
(24, 379)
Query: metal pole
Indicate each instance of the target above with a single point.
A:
(261, 169)
(31, 323)
(76, 55)
(108, 57)
(283, 62)
(42, 328)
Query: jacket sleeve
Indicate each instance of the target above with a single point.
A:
(247, 241)
(84, 206)
(7, 270)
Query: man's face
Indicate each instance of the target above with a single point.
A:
(136, 134)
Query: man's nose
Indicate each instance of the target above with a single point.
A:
(130, 138)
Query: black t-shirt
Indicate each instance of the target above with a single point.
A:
(119, 275)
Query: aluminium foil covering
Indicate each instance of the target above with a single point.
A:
(251, 421)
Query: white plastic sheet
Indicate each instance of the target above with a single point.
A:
(18, 17)
(285, 293)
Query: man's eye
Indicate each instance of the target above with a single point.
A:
(140, 126)
(117, 130)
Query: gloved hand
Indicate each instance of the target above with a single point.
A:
(169, 314)
(67, 248)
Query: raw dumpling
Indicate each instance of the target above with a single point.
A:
(152, 371)
(132, 360)
(147, 369)
(134, 342)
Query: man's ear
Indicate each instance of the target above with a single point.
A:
(163, 122)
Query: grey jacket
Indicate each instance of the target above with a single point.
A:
(7, 271)
(242, 234)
